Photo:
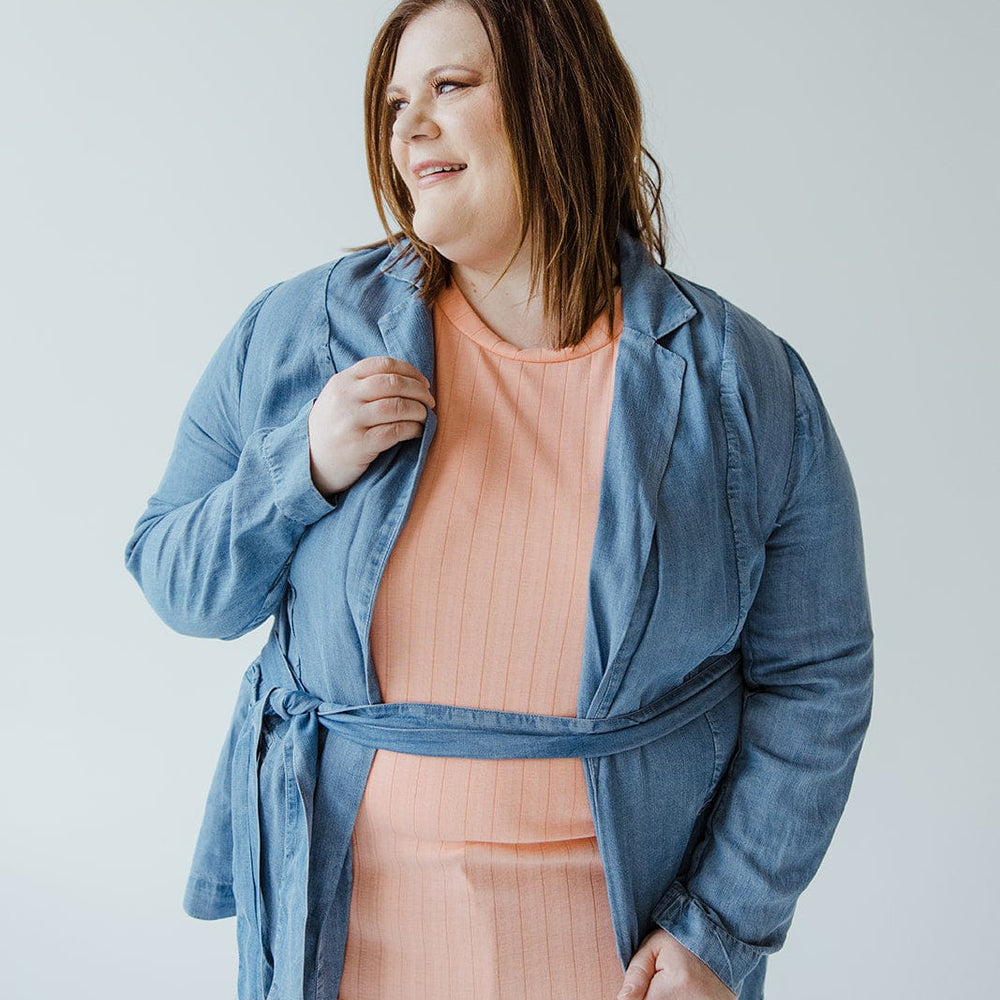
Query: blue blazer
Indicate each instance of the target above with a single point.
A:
(727, 666)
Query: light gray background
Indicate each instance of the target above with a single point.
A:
(831, 168)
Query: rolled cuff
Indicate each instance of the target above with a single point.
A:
(207, 899)
(693, 925)
(286, 452)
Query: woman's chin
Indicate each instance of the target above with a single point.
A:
(435, 235)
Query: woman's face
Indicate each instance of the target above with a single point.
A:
(448, 143)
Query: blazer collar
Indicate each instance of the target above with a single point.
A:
(653, 303)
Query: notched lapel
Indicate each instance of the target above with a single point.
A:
(649, 381)
(408, 333)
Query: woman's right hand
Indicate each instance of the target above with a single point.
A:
(361, 411)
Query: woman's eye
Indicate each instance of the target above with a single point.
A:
(398, 105)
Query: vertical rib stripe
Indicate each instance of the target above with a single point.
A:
(481, 879)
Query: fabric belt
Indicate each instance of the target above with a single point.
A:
(273, 942)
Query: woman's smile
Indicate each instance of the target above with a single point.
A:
(428, 172)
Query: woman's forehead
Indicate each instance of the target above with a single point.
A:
(446, 35)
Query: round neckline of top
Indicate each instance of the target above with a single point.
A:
(467, 321)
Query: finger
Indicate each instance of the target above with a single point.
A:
(383, 436)
(390, 410)
(383, 385)
(383, 363)
(638, 975)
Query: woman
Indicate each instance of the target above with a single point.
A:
(517, 498)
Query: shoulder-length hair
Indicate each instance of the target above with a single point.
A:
(572, 114)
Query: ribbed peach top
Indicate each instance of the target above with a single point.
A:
(481, 879)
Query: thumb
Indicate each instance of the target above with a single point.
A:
(640, 971)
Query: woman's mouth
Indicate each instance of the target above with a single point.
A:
(432, 171)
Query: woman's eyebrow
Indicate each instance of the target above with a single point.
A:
(394, 89)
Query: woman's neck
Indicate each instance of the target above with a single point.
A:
(507, 305)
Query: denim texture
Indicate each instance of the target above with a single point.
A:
(727, 668)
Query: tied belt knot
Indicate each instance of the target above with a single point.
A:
(273, 938)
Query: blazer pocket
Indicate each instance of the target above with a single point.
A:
(724, 720)
(721, 728)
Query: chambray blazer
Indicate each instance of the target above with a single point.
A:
(727, 666)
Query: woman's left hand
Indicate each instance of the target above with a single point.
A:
(663, 969)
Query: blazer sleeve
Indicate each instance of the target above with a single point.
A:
(807, 647)
(212, 549)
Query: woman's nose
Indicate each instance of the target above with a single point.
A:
(414, 122)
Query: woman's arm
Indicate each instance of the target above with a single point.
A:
(807, 644)
(211, 551)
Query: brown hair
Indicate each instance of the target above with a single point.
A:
(572, 113)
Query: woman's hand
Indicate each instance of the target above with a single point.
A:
(360, 412)
(663, 969)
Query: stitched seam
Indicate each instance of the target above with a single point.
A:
(326, 312)
(787, 488)
(722, 793)
(731, 454)
(717, 770)
(262, 298)
(210, 880)
(726, 939)
(722, 947)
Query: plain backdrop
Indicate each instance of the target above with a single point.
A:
(830, 168)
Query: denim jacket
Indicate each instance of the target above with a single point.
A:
(727, 666)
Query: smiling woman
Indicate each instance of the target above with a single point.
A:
(554, 125)
(571, 656)
(449, 145)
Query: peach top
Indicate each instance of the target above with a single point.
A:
(481, 879)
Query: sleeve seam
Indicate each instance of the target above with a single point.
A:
(787, 488)
(261, 299)
(732, 456)
(326, 313)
